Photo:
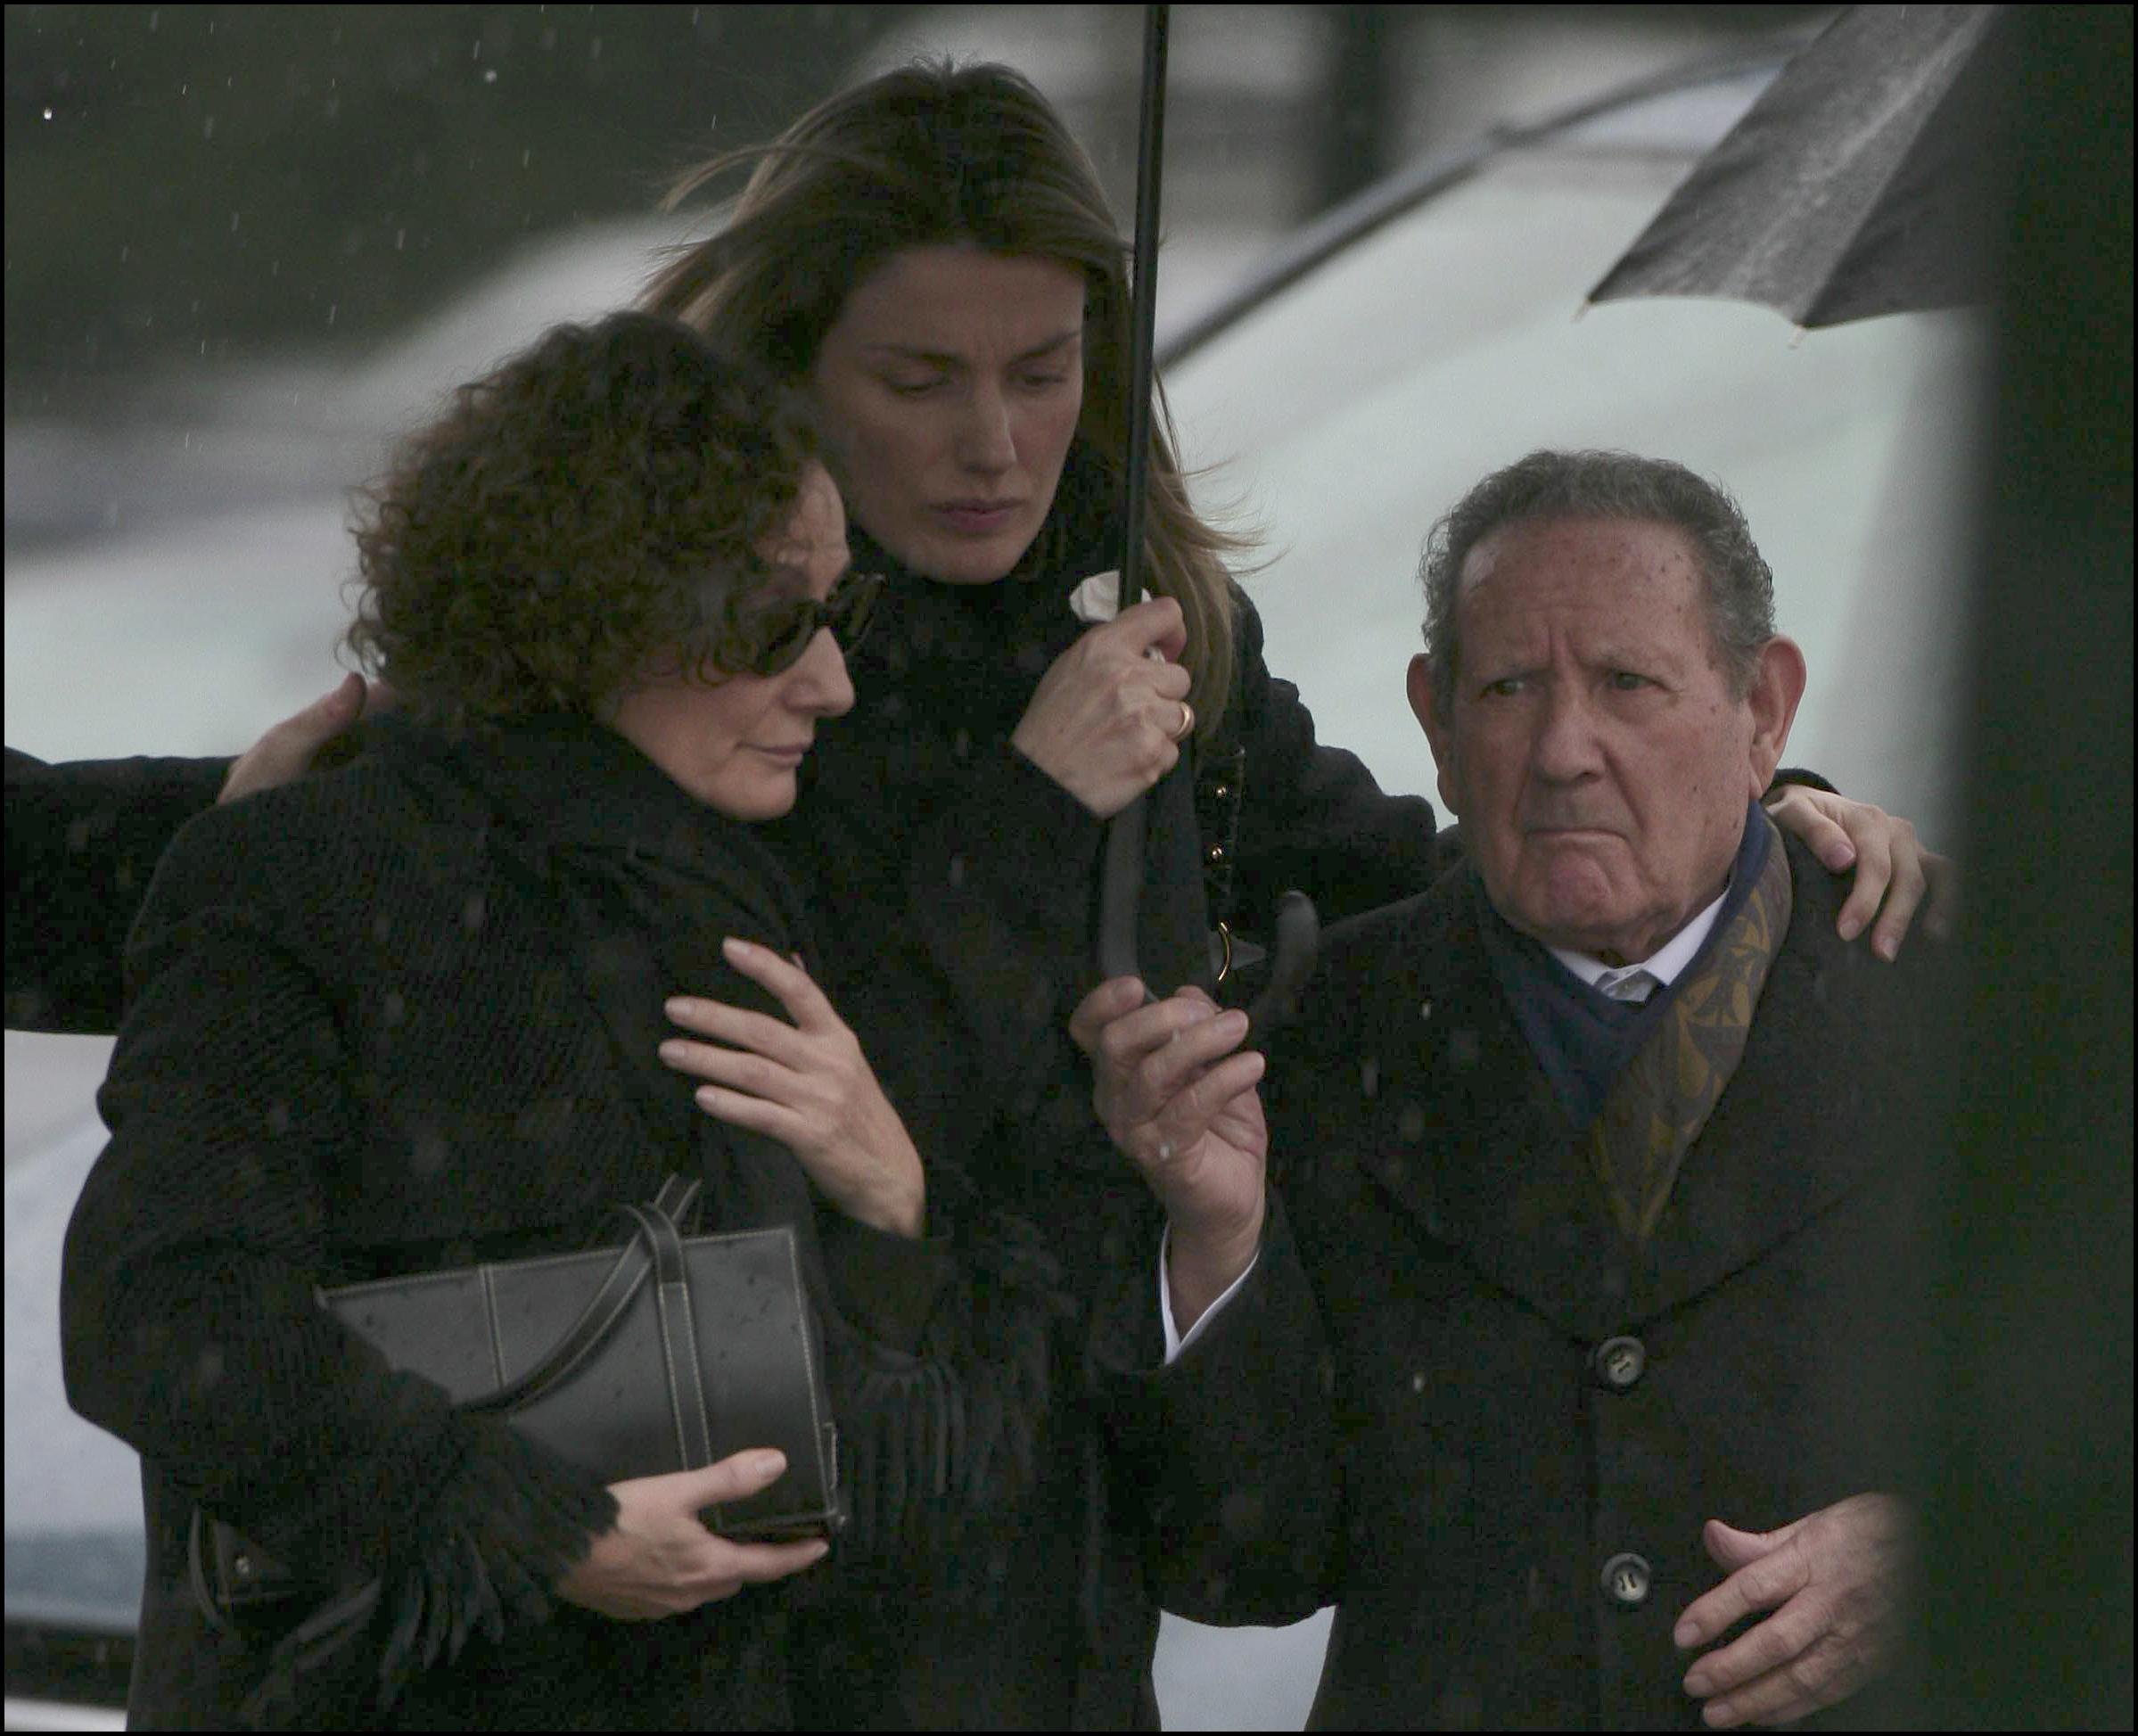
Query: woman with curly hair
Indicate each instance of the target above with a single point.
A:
(612, 588)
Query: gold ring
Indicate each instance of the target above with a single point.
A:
(1187, 722)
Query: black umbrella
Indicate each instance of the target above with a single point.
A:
(1298, 930)
(1861, 183)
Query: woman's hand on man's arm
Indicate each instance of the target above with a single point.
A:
(1894, 871)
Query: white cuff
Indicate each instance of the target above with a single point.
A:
(1174, 1343)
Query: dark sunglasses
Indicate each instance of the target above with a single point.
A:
(779, 636)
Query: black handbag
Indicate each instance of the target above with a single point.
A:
(666, 1354)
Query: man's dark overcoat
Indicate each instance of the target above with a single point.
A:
(1442, 1253)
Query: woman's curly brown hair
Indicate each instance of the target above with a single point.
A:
(574, 521)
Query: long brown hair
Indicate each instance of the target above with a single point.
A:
(931, 155)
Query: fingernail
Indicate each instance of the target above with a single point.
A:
(770, 1463)
(1719, 1717)
(1850, 927)
(1699, 1685)
(1887, 948)
(734, 943)
(1686, 1633)
(672, 1050)
(681, 1006)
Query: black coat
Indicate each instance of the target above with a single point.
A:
(82, 840)
(360, 1042)
(961, 883)
(1444, 1258)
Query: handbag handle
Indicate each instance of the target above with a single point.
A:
(645, 1251)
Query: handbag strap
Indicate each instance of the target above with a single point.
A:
(645, 1252)
(678, 1337)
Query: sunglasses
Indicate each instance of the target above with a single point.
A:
(780, 633)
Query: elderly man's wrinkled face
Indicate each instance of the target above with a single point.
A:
(1597, 757)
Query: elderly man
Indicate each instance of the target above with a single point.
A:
(1593, 1167)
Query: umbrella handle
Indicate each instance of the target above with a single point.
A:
(1120, 893)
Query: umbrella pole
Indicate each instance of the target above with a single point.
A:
(1120, 888)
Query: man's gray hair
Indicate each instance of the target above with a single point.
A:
(1616, 485)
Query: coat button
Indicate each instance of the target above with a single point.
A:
(1626, 1580)
(1618, 1362)
(1216, 852)
(1220, 791)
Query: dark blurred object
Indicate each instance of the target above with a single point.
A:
(82, 840)
(1361, 109)
(1856, 185)
(218, 182)
(2027, 1537)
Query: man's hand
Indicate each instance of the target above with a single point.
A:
(1833, 1580)
(288, 750)
(1894, 871)
(1183, 1107)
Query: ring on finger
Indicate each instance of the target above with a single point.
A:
(1188, 722)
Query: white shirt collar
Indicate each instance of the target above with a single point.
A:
(1666, 965)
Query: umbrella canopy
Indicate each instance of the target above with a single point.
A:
(1859, 184)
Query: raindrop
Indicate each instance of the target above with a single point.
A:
(594, 52)
(233, 218)
(526, 156)
(490, 75)
(208, 1367)
(961, 743)
(154, 18)
(1165, 1150)
(125, 253)
(1369, 1076)
(477, 54)
(401, 238)
(208, 127)
(472, 912)
(958, 870)
(332, 309)
(48, 114)
(1417, 1381)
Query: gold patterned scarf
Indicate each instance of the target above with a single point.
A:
(1663, 1097)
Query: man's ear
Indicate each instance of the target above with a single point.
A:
(1777, 686)
(1439, 737)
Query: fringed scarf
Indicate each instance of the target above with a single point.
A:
(1664, 1095)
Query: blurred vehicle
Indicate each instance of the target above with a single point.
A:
(1345, 393)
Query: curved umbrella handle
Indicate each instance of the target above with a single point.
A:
(1120, 893)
